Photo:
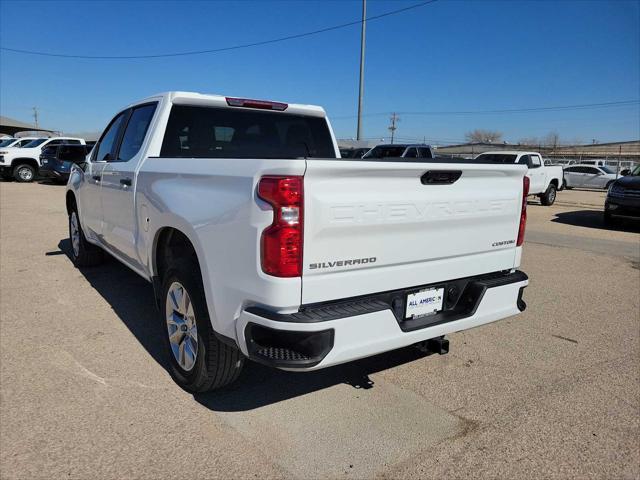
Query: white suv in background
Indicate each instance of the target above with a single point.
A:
(23, 163)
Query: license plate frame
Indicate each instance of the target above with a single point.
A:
(427, 301)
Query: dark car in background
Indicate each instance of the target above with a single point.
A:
(51, 165)
(397, 150)
(353, 152)
(623, 197)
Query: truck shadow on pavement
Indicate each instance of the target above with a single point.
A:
(131, 298)
(595, 219)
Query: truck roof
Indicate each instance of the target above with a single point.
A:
(220, 101)
(405, 145)
(511, 152)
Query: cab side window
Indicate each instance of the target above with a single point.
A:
(135, 132)
(535, 161)
(107, 142)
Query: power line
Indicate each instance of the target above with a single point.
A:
(223, 49)
(585, 106)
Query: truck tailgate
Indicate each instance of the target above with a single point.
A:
(378, 226)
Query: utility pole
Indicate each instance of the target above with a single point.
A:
(35, 116)
(393, 127)
(361, 89)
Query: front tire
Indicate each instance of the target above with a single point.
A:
(24, 173)
(83, 254)
(549, 197)
(199, 361)
(609, 221)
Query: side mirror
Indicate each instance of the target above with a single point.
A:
(73, 153)
(625, 172)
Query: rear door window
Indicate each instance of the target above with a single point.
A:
(424, 152)
(411, 153)
(212, 132)
(136, 131)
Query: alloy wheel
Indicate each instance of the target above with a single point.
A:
(181, 326)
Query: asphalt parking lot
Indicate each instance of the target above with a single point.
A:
(552, 393)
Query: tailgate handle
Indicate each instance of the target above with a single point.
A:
(440, 177)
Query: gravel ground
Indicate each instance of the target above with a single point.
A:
(552, 393)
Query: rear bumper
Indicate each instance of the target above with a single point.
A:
(320, 336)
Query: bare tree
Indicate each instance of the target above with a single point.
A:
(483, 136)
(552, 140)
(529, 141)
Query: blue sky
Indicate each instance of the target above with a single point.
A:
(447, 56)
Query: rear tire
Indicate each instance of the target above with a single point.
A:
(206, 363)
(83, 253)
(549, 197)
(24, 173)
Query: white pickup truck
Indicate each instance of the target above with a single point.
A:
(23, 163)
(545, 180)
(262, 243)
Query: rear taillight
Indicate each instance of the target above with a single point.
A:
(523, 210)
(281, 242)
(261, 104)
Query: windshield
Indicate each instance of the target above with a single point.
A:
(384, 152)
(34, 143)
(636, 171)
(497, 157)
(606, 169)
(209, 132)
(7, 142)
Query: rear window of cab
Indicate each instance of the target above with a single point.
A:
(213, 132)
